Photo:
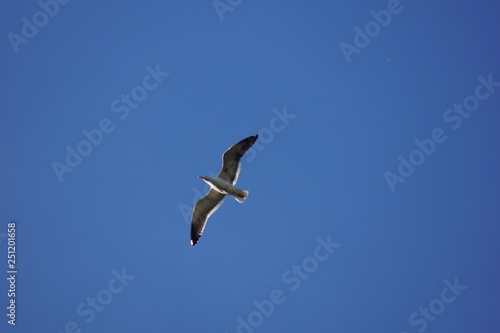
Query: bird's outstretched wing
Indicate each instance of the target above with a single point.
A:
(231, 159)
(203, 208)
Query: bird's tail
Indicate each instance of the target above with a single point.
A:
(241, 195)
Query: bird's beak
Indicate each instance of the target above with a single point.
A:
(200, 177)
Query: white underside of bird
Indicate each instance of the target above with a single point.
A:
(223, 187)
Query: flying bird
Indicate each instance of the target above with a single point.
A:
(221, 186)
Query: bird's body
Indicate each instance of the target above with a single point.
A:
(221, 186)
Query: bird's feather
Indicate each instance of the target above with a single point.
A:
(231, 159)
(204, 207)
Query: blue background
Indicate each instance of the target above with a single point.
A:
(321, 174)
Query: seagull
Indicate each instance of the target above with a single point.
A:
(221, 186)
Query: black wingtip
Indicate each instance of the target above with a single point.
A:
(194, 240)
(251, 139)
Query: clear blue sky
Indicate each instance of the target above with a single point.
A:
(379, 134)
